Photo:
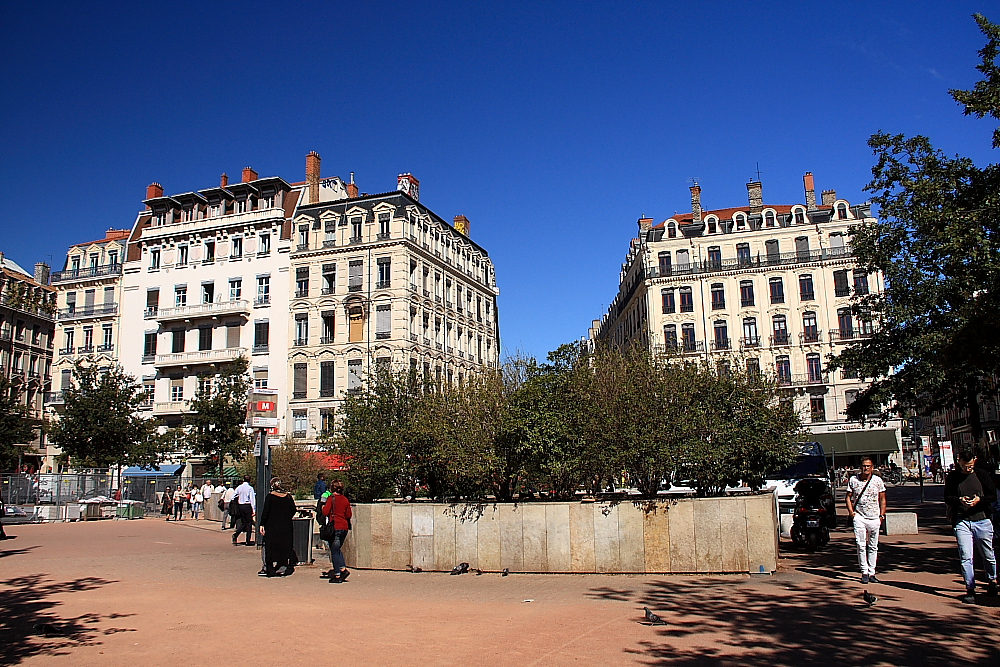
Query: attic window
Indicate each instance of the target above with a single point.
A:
(741, 221)
(672, 230)
(800, 217)
(842, 211)
(713, 226)
(769, 220)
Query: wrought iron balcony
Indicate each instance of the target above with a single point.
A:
(382, 284)
(263, 300)
(82, 312)
(733, 264)
(261, 349)
(723, 344)
(301, 293)
(847, 335)
(779, 339)
(354, 288)
(67, 351)
(54, 398)
(383, 335)
(86, 273)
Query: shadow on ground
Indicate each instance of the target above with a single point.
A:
(29, 624)
(728, 624)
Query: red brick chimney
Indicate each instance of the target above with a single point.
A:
(462, 225)
(224, 181)
(249, 175)
(695, 203)
(810, 186)
(352, 189)
(154, 190)
(312, 175)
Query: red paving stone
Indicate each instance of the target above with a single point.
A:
(154, 593)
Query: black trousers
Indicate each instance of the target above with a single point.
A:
(245, 524)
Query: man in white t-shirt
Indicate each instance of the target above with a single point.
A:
(866, 507)
(227, 497)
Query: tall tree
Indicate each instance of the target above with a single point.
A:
(217, 423)
(16, 426)
(100, 425)
(937, 243)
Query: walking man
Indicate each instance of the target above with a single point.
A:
(866, 508)
(969, 494)
(227, 497)
(319, 488)
(246, 498)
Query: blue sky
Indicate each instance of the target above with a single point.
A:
(552, 126)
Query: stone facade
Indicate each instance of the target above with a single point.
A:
(27, 330)
(382, 279)
(768, 286)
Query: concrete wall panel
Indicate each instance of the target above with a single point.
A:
(631, 548)
(533, 535)
(557, 537)
(402, 532)
(488, 538)
(381, 543)
(681, 524)
(511, 539)
(656, 538)
(444, 538)
(606, 541)
(581, 537)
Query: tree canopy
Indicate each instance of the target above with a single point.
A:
(100, 425)
(937, 243)
(217, 422)
(16, 425)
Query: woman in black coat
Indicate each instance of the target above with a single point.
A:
(276, 527)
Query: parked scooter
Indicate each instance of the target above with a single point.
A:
(815, 513)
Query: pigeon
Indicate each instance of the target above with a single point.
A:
(870, 599)
(410, 568)
(505, 572)
(652, 618)
(464, 567)
(456, 570)
(479, 572)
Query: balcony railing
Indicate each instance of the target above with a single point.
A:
(382, 284)
(66, 351)
(301, 341)
(326, 340)
(264, 300)
(750, 341)
(302, 246)
(200, 357)
(723, 344)
(354, 288)
(203, 310)
(90, 272)
(799, 379)
(842, 291)
(171, 408)
(382, 335)
(301, 293)
(261, 349)
(779, 339)
(329, 243)
(54, 398)
(327, 291)
(327, 393)
(80, 312)
(811, 336)
(85, 349)
(842, 335)
(427, 294)
(354, 240)
(732, 264)
(105, 348)
(414, 337)
(382, 237)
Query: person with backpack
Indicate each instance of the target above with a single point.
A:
(971, 495)
(338, 513)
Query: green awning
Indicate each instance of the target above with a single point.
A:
(882, 441)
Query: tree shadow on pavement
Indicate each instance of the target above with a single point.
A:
(29, 625)
(794, 624)
(6, 553)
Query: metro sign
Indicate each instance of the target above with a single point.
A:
(262, 410)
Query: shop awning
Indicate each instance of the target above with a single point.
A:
(164, 471)
(880, 441)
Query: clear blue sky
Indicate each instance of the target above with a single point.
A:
(552, 126)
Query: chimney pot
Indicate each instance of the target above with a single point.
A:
(462, 225)
(249, 175)
(645, 224)
(810, 187)
(224, 181)
(154, 190)
(756, 196)
(312, 175)
(696, 203)
(829, 196)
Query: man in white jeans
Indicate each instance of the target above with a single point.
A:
(866, 507)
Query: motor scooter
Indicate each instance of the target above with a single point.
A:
(815, 513)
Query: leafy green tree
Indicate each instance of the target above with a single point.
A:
(217, 423)
(16, 426)
(937, 243)
(100, 425)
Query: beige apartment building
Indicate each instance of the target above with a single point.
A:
(381, 279)
(764, 285)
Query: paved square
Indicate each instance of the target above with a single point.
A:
(153, 593)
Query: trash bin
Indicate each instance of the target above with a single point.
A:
(302, 539)
(130, 510)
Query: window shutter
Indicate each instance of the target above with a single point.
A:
(326, 378)
(299, 380)
(232, 336)
(383, 319)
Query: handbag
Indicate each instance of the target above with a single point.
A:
(327, 533)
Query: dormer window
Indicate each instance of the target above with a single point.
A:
(216, 210)
(267, 202)
(713, 226)
(769, 220)
(841, 211)
(672, 229)
(741, 222)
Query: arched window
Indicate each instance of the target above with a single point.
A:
(842, 211)
(845, 323)
(721, 341)
(713, 226)
(751, 337)
(783, 368)
(715, 256)
(800, 217)
(687, 300)
(746, 293)
(663, 259)
(672, 230)
(769, 220)
(814, 368)
(667, 296)
(670, 336)
(741, 222)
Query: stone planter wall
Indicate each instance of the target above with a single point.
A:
(732, 534)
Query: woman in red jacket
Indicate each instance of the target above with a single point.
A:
(338, 511)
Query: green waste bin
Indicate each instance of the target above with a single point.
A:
(130, 511)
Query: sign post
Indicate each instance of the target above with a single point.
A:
(262, 416)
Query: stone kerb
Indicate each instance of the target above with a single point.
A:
(686, 535)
